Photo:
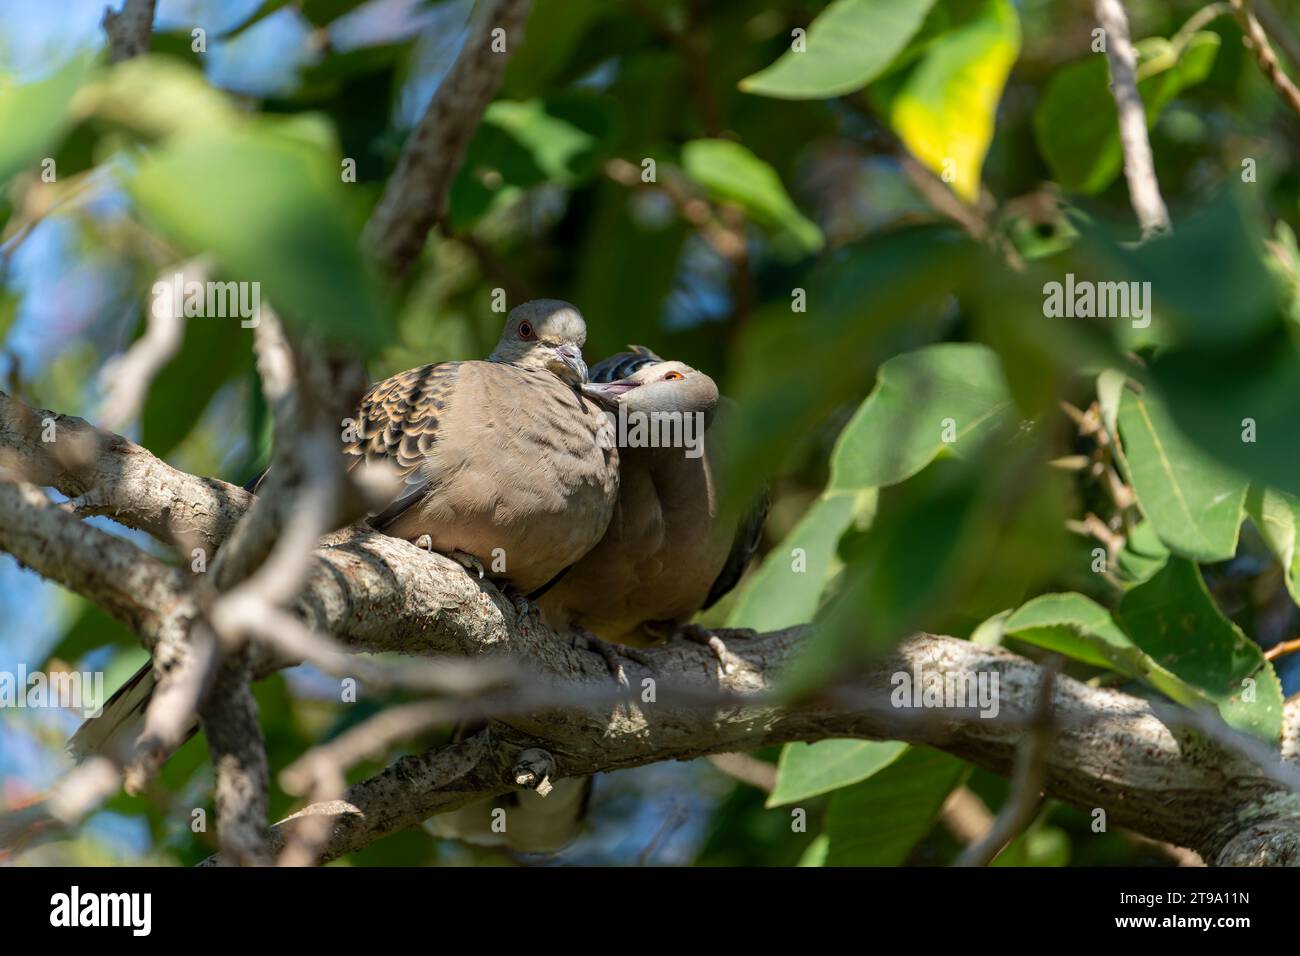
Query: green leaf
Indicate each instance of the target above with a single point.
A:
(1080, 628)
(815, 855)
(1208, 283)
(1076, 125)
(157, 96)
(33, 116)
(945, 107)
(809, 770)
(1173, 618)
(1277, 516)
(213, 352)
(1193, 503)
(1143, 554)
(879, 821)
(524, 144)
(871, 298)
(847, 46)
(729, 172)
(951, 391)
(271, 207)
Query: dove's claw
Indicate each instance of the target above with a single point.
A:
(611, 654)
(467, 561)
(698, 634)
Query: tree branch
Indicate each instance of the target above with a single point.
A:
(128, 31)
(1157, 769)
(105, 474)
(416, 194)
(1139, 165)
(1257, 41)
(1110, 750)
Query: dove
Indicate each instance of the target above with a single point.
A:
(669, 550)
(505, 466)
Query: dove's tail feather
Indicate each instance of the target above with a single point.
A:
(119, 724)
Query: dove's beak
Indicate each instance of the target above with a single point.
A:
(570, 364)
(606, 393)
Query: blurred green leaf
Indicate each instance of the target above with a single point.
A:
(945, 107)
(1239, 404)
(847, 46)
(1076, 125)
(879, 821)
(944, 398)
(787, 586)
(1277, 516)
(157, 96)
(523, 144)
(1193, 503)
(809, 770)
(731, 173)
(34, 115)
(1173, 618)
(1209, 285)
(794, 369)
(271, 208)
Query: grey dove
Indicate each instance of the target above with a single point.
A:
(505, 467)
(669, 551)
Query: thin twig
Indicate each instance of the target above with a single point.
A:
(1257, 41)
(1027, 780)
(1139, 165)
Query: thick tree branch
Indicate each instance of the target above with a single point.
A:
(1155, 769)
(105, 474)
(1110, 751)
(136, 588)
(416, 195)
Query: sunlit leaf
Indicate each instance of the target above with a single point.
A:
(941, 399)
(1277, 516)
(945, 108)
(1080, 628)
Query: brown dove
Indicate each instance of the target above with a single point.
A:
(669, 552)
(506, 468)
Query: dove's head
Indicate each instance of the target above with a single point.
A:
(658, 387)
(545, 333)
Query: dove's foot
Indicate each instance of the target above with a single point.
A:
(713, 639)
(611, 653)
(467, 561)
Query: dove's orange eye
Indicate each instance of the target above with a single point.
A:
(673, 376)
(526, 331)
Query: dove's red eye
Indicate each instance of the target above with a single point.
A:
(526, 332)
(673, 376)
